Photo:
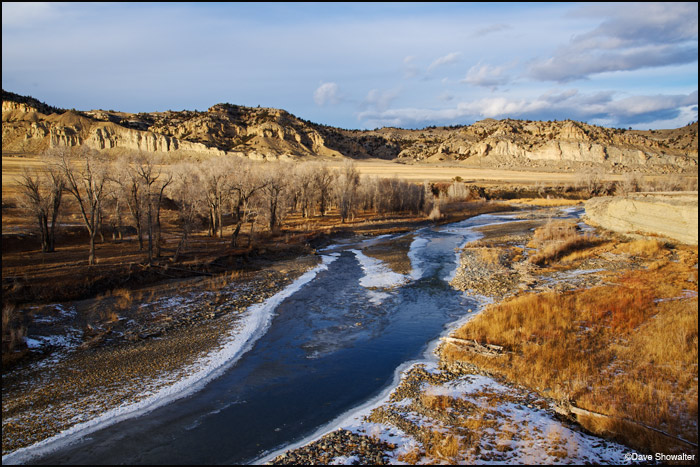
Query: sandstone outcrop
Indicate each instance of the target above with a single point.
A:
(32, 126)
(672, 215)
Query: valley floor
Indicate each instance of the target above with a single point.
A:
(465, 406)
(486, 398)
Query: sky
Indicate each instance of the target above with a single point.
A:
(364, 65)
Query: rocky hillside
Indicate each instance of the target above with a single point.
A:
(32, 126)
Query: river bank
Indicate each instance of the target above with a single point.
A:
(155, 342)
(111, 353)
(454, 408)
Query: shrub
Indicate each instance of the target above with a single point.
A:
(557, 239)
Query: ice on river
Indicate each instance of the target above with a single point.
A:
(249, 328)
(417, 246)
(377, 274)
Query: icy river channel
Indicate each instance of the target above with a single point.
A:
(334, 342)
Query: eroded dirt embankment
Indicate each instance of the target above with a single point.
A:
(672, 215)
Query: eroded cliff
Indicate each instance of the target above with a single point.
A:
(32, 126)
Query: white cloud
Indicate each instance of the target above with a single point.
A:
(445, 60)
(490, 29)
(380, 100)
(598, 106)
(327, 93)
(487, 76)
(445, 97)
(643, 36)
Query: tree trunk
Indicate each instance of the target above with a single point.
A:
(180, 246)
(221, 224)
(234, 237)
(150, 234)
(91, 256)
(273, 215)
(158, 229)
(43, 233)
(252, 231)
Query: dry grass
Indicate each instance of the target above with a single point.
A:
(435, 401)
(222, 280)
(435, 214)
(545, 202)
(442, 446)
(490, 256)
(557, 239)
(629, 350)
(13, 329)
(642, 247)
(413, 456)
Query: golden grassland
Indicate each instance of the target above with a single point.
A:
(557, 239)
(13, 165)
(545, 202)
(627, 349)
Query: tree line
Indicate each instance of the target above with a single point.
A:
(113, 194)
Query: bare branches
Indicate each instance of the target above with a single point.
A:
(228, 191)
(86, 181)
(42, 193)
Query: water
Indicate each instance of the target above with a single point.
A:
(333, 344)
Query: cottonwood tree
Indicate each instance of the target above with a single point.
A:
(303, 182)
(41, 194)
(346, 191)
(323, 178)
(273, 193)
(214, 176)
(244, 184)
(154, 180)
(85, 179)
(190, 199)
(131, 191)
(458, 191)
(114, 200)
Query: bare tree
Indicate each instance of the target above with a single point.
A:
(215, 180)
(115, 201)
(245, 183)
(346, 191)
(458, 191)
(86, 180)
(41, 196)
(631, 182)
(155, 180)
(323, 181)
(132, 191)
(189, 197)
(276, 184)
(304, 187)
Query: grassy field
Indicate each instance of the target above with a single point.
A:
(627, 351)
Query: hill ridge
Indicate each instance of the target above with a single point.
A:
(269, 133)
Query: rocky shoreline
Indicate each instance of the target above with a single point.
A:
(149, 345)
(492, 267)
(143, 344)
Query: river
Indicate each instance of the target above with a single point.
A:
(333, 344)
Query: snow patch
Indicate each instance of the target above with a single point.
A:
(377, 274)
(417, 245)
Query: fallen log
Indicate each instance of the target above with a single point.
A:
(472, 345)
(567, 409)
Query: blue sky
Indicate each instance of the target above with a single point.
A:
(364, 65)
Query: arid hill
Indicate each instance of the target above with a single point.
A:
(30, 126)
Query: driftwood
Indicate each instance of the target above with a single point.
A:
(567, 409)
(488, 350)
